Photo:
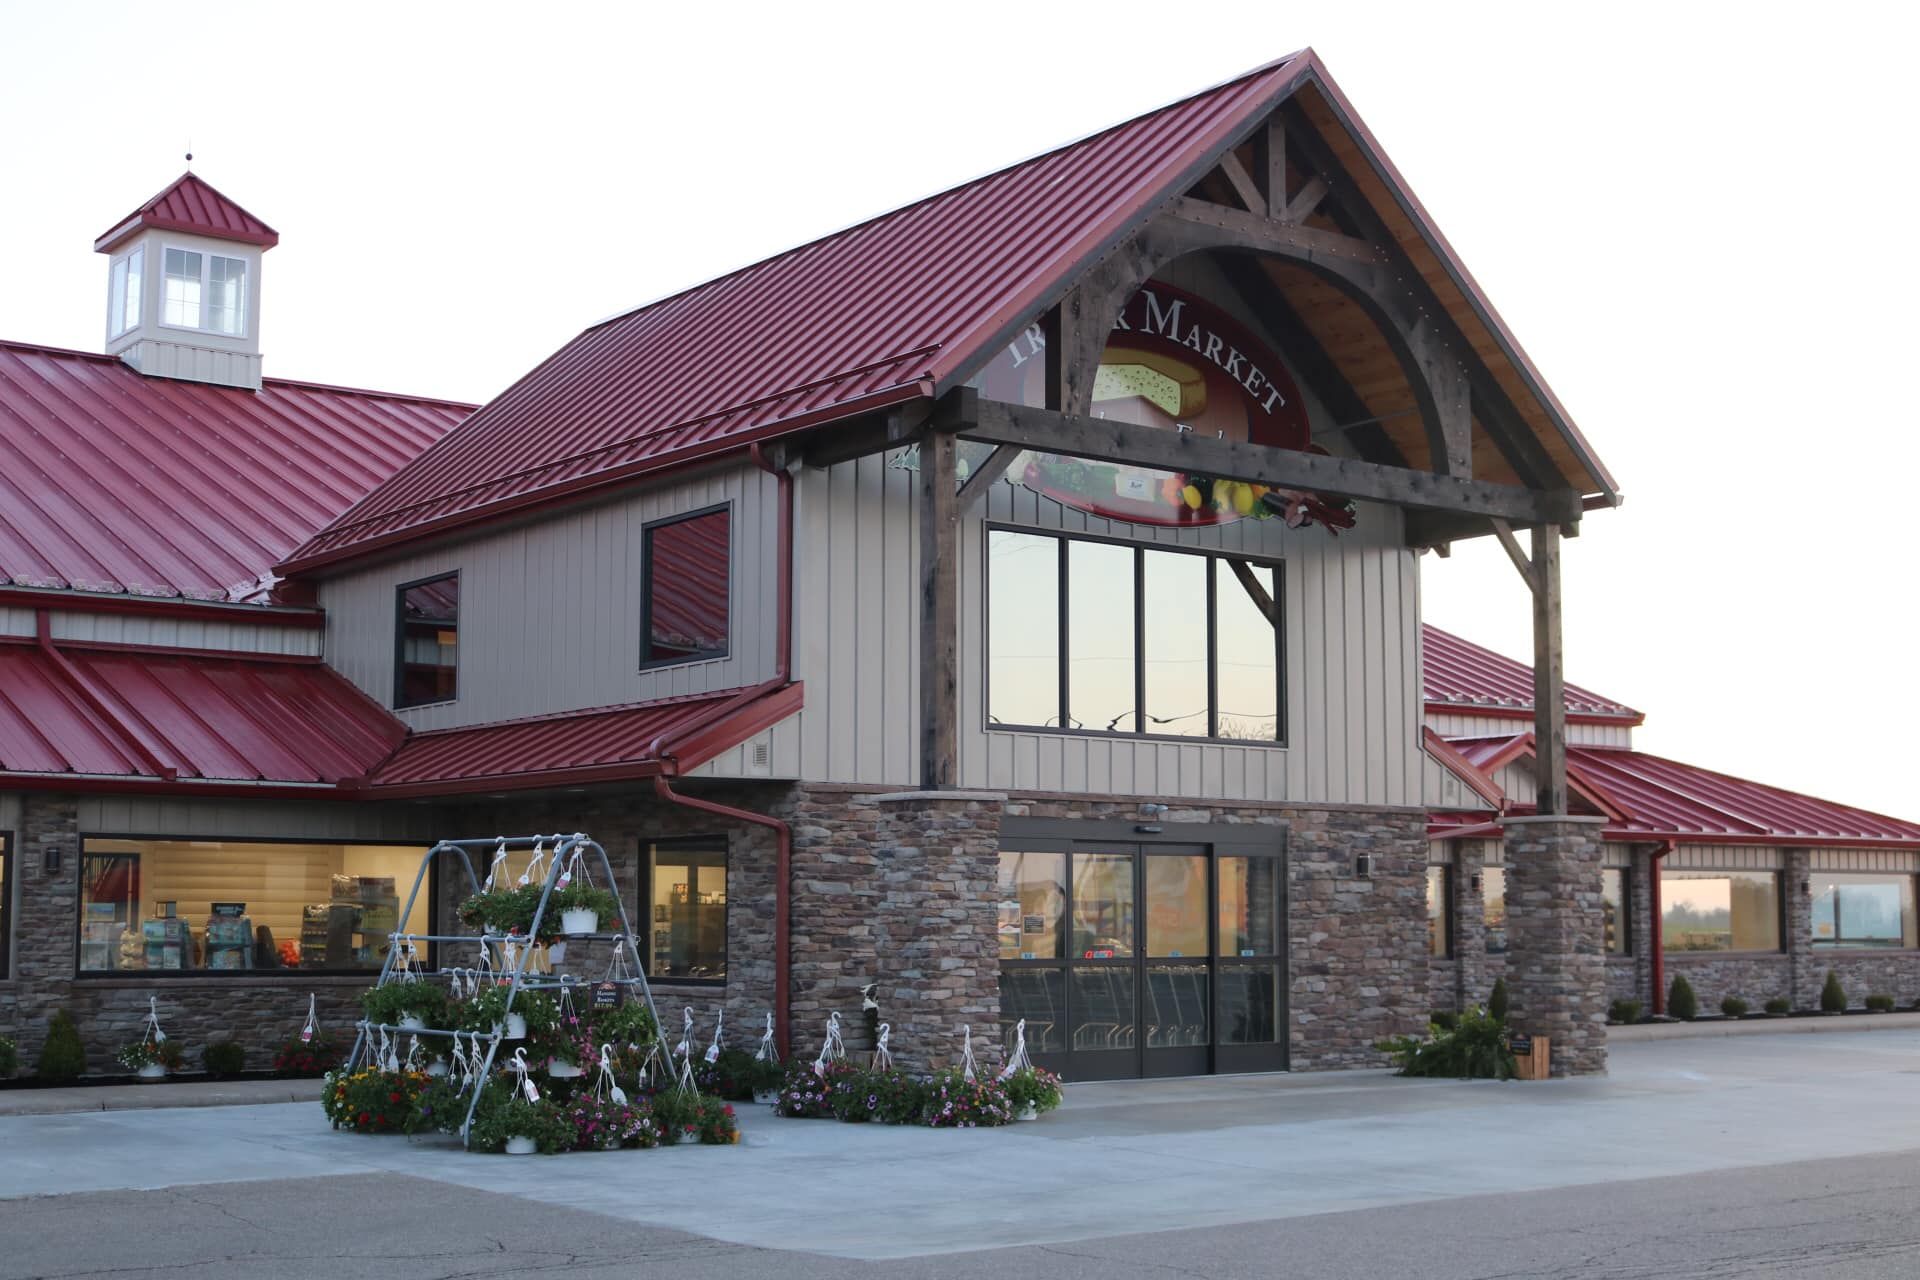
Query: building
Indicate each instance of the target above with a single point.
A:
(1012, 600)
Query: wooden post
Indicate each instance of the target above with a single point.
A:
(1549, 686)
(939, 612)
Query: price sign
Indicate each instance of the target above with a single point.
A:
(607, 995)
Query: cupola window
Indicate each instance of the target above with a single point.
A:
(123, 307)
(205, 291)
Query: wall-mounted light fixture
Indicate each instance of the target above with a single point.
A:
(1363, 865)
(1474, 880)
(50, 857)
(1806, 887)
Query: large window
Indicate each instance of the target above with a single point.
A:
(1613, 907)
(204, 291)
(1493, 907)
(1439, 920)
(427, 650)
(1109, 638)
(224, 906)
(123, 300)
(1858, 910)
(686, 584)
(1719, 910)
(688, 910)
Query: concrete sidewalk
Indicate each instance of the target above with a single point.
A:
(1118, 1158)
(141, 1097)
(1763, 1027)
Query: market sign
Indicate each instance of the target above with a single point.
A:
(1174, 362)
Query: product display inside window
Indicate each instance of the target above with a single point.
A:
(231, 907)
(1719, 910)
(1852, 909)
(689, 912)
(1613, 905)
(1493, 905)
(1439, 941)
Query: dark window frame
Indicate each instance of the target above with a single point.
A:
(646, 588)
(9, 889)
(697, 843)
(1784, 944)
(400, 640)
(430, 888)
(1064, 656)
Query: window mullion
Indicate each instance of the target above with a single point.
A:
(1139, 640)
(1063, 665)
(1213, 647)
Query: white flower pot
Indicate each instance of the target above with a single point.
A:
(579, 920)
(412, 1022)
(438, 1067)
(766, 1097)
(556, 952)
(1028, 1112)
(152, 1071)
(521, 1147)
(516, 1027)
(561, 1069)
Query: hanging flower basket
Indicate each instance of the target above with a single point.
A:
(577, 921)
(582, 907)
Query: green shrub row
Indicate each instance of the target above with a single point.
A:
(63, 1057)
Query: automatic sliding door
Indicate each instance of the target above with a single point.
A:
(1103, 981)
(1250, 1013)
(1177, 1011)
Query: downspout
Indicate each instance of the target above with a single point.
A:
(1657, 942)
(782, 833)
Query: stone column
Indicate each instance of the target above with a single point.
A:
(934, 928)
(1805, 975)
(1556, 958)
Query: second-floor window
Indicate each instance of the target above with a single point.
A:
(686, 586)
(426, 659)
(204, 291)
(1107, 637)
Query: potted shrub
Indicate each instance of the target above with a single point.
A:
(313, 1057)
(677, 1111)
(224, 1058)
(954, 1102)
(508, 913)
(1833, 996)
(534, 1013)
(1624, 1012)
(1681, 1002)
(630, 1024)
(1475, 1049)
(62, 1056)
(1778, 1007)
(714, 1123)
(1880, 1004)
(582, 907)
(410, 1006)
(1497, 1002)
(805, 1095)
(507, 1122)
(9, 1057)
(1733, 1007)
(150, 1059)
(1033, 1091)
(600, 1124)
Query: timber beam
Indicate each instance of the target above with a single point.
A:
(1108, 439)
(872, 433)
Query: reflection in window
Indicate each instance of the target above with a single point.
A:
(429, 642)
(1033, 905)
(1493, 906)
(180, 300)
(234, 907)
(1177, 1006)
(1104, 1000)
(689, 911)
(123, 303)
(1249, 921)
(1023, 629)
(1249, 1004)
(1177, 905)
(1613, 906)
(1103, 918)
(1100, 667)
(1851, 909)
(1439, 886)
(1039, 997)
(1249, 677)
(1719, 910)
(1174, 635)
(685, 569)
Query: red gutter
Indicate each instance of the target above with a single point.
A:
(662, 750)
(117, 718)
(1659, 943)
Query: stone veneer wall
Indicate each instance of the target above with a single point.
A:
(1556, 965)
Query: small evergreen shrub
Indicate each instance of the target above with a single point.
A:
(1497, 1002)
(1476, 1049)
(1833, 996)
(1733, 1007)
(1445, 1019)
(1880, 1004)
(1624, 1012)
(9, 1057)
(224, 1057)
(1681, 1002)
(62, 1057)
(1779, 1006)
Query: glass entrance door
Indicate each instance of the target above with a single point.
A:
(1130, 960)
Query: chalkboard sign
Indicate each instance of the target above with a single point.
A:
(1519, 1044)
(608, 995)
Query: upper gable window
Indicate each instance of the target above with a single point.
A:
(426, 661)
(205, 291)
(123, 304)
(686, 583)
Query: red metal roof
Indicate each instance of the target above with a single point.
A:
(889, 310)
(114, 481)
(1459, 674)
(171, 718)
(600, 745)
(1653, 798)
(191, 204)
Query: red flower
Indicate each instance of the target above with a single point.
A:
(393, 1097)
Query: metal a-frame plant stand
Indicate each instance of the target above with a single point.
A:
(561, 849)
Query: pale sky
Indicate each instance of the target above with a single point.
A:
(1695, 218)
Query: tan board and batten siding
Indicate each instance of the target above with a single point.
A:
(78, 626)
(550, 610)
(221, 819)
(1352, 619)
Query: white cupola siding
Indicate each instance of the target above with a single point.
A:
(183, 286)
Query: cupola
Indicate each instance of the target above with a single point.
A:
(183, 290)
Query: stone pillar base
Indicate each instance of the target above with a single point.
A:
(1556, 958)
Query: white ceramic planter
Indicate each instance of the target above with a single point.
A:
(516, 1027)
(766, 1097)
(561, 1069)
(152, 1071)
(520, 1147)
(438, 1067)
(1028, 1112)
(556, 951)
(579, 920)
(412, 1022)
